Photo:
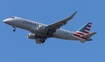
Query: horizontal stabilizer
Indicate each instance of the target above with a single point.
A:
(89, 35)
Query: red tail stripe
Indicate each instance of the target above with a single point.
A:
(80, 36)
(87, 28)
(79, 33)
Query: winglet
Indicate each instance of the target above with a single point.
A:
(73, 15)
(70, 17)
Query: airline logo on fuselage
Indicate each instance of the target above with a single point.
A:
(30, 22)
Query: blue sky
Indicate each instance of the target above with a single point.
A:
(16, 47)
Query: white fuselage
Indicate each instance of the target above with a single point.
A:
(32, 26)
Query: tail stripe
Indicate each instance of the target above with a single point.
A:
(86, 31)
(88, 28)
(83, 31)
(79, 34)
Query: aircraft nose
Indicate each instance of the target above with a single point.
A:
(7, 21)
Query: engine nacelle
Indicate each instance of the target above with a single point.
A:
(41, 27)
(31, 36)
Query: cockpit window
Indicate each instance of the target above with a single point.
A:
(13, 17)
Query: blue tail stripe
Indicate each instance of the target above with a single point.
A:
(84, 27)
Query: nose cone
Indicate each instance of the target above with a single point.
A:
(5, 21)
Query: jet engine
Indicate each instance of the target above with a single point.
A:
(39, 40)
(31, 36)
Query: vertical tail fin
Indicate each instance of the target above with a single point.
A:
(84, 33)
(86, 28)
(83, 30)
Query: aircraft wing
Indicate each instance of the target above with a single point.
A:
(62, 22)
(50, 29)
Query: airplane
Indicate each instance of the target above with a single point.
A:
(40, 32)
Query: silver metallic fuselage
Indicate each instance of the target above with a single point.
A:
(32, 27)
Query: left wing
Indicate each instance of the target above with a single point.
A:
(50, 29)
(61, 23)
